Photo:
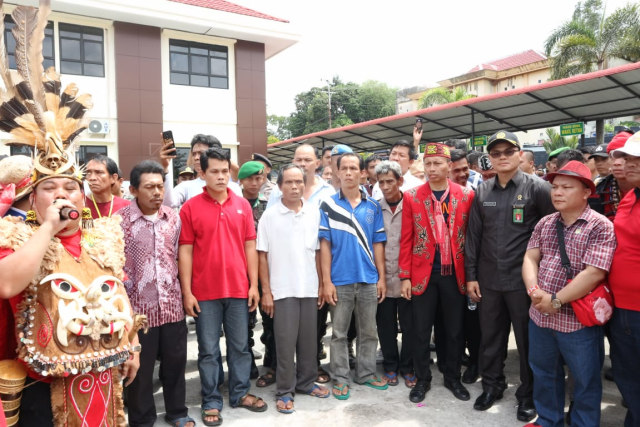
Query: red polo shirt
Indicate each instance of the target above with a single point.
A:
(218, 233)
(626, 259)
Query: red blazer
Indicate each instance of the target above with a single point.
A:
(418, 242)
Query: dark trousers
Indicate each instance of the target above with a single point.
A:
(167, 342)
(268, 339)
(472, 334)
(322, 327)
(440, 338)
(389, 312)
(35, 405)
(295, 325)
(441, 290)
(625, 352)
(499, 311)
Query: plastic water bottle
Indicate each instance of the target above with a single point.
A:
(471, 304)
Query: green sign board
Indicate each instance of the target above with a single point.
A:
(572, 129)
(479, 141)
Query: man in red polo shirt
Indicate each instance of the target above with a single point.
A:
(218, 270)
(625, 323)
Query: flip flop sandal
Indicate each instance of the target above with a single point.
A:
(341, 389)
(392, 378)
(266, 379)
(323, 376)
(316, 391)
(182, 422)
(210, 413)
(370, 383)
(285, 400)
(410, 378)
(253, 406)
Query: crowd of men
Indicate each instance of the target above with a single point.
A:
(461, 246)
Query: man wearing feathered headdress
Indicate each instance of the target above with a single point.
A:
(75, 328)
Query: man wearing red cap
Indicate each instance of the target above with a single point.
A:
(558, 335)
(625, 323)
(431, 266)
(612, 188)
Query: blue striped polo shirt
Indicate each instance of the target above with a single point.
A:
(352, 233)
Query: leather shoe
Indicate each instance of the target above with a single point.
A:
(458, 390)
(470, 375)
(486, 400)
(418, 392)
(526, 410)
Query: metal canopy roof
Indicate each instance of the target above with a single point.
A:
(610, 93)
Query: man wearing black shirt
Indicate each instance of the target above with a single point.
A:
(504, 213)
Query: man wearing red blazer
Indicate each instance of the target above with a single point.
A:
(431, 266)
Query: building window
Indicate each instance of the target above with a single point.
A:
(88, 152)
(20, 150)
(47, 45)
(198, 64)
(81, 50)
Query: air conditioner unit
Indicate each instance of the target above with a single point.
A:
(98, 127)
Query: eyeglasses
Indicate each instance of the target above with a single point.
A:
(507, 153)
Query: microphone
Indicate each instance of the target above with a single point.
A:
(69, 213)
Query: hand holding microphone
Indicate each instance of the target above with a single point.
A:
(69, 213)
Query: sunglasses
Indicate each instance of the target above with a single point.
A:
(507, 153)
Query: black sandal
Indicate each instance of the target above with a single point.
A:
(323, 376)
(266, 379)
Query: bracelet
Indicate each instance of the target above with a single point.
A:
(532, 289)
(135, 349)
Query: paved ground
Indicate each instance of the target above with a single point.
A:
(368, 407)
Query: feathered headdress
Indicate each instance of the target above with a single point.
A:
(33, 111)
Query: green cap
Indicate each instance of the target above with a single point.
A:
(555, 153)
(249, 169)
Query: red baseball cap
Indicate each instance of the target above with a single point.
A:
(577, 170)
(618, 141)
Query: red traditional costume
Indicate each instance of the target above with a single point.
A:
(74, 323)
(418, 243)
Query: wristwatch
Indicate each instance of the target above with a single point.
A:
(555, 301)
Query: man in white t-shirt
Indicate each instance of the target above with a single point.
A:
(187, 189)
(288, 253)
(316, 189)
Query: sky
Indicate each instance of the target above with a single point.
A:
(402, 43)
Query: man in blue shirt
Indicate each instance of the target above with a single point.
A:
(353, 277)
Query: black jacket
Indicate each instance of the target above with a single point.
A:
(500, 225)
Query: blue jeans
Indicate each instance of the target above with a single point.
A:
(234, 315)
(361, 298)
(625, 360)
(583, 352)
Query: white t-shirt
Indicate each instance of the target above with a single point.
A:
(291, 241)
(410, 182)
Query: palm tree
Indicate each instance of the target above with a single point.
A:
(441, 95)
(591, 39)
(555, 141)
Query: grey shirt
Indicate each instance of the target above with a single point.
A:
(500, 225)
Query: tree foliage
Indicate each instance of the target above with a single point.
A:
(555, 141)
(350, 103)
(441, 95)
(591, 39)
